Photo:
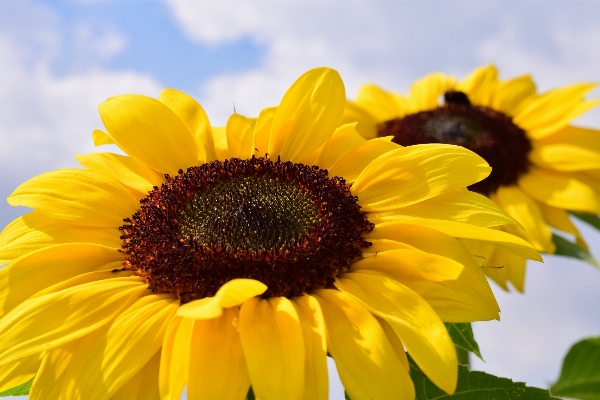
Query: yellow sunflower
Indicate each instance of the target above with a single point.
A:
(541, 165)
(227, 258)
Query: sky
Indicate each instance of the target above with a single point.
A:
(60, 59)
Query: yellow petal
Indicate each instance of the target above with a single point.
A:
(570, 149)
(504, 266)
(144, 385)
(217, 367)
(417, 325)
(49, 321)
(126, 170)
(18, 372)
(50, 265)
(344, 138)
(101, 138)
(150, 132)
(175, 358)
(191, 113)
(566, 190)
(366, 362)
(525, 210)
(308, 114)
(545, 114)
(220, 139)
(456, 292)
(409, 175)
(461, 206)
(425, 92)
(366, 124)
(379, 245)
(240, 135)
(34, 231)
(383, 105)
(83, 279)
(315, 344)
(350, 165)
(509, 94)
(487, 235)
(231, 294)
(395, 342)
(262, 131)
(272, 340)
(480, 85)
(559, 219)
(76, 196)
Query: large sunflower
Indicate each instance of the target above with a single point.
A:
(200, 260)
(541, 165)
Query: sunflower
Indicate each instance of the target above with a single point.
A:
(227, 258)
(542, 167)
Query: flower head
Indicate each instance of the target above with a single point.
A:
(542, 166)
(224, 258)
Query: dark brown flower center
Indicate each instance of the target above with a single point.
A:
(287, 225)
(489, 133)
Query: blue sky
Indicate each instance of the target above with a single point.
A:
(60, 59)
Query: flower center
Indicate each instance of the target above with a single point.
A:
(489, 133)
(287, 225)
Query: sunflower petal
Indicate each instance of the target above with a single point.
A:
(231, 294)
(460, 206)
(570, 149)
(99, 137)
(492, 236)
(77, 196)
(315, 343)
(144, 385)
(559, 219)
(417, 325)
(150, 132)
(381, 104)
(395, 342)
(545, 114)
(18, 372)
(352, 163)
(366, 362)
(480, 85)
(191, 113)
(505, 267)
(313, 104)
(344, 138)
(65, 316)
(45, 267)
(569, 191)
(366, 124)
(425, 92)
(240, 135)
(276, 370)
(215, 353)
(126, 170)
(34, 231)
(175, 358)
(457, 293)
(509, 94)
(525, 210)
(262, 130)
(409, 175)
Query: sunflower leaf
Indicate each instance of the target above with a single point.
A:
(569, 249)
(590, 219)
(580, 374)
(477, 385)
(20, 390)
(250, 395)
(462, 336)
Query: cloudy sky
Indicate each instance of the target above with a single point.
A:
(60, 59)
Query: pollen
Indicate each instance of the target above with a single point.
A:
(288, 225)
(489, 133)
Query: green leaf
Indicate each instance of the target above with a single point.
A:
(462, 336)
(477, 385)
(580, 374)
(568, 249)
(592, 220)
(250, 395)
(20, 390)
